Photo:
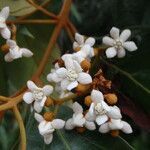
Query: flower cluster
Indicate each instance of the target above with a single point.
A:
(14, 51)
(71, 74)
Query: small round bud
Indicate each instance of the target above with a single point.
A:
(49, 102)
(82, 89)
(87, 101)
(77, 49)
(96, 51)
(48, 116)
(111, 98)
(85, 65)
(114, 133)
(80, 129)
(5, 48)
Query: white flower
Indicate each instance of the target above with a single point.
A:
(70, 75)
(99, 109)
(78, 119)
(115, 124)
(118, 43)
(46, 128)
(38, 95)
(80, 42)
(16, 52)
(79, 56)
(5, 32)
(85, 53)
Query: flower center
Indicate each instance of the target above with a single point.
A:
(38, 95)
(118, 44)
(71, 75)
(99, 109)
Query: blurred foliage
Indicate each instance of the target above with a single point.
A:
(92, 18)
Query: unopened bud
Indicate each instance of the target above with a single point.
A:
(80, 129)
(49, 102)
(5, 48)
(114, 133)
(87, 101)
(77, 49)
(85, 65)
(111, 98)
(82, 89)
(48, 116)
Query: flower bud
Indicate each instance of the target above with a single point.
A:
(82, 89)
(114, 133)
(48, 116)
(111, 98)
(77, 49)
(49, 102)
(87, 101)
(86, 65)
(80, 129)
(5, 48)
(96, 51)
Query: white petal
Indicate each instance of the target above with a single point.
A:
(11, 43)
(31, 85)
(75, 45)
(115, 124)
(48, 138)
(130, 46)
(97, 96)
(84, 78)
(114, 32)
(53, 77)
(77, 108)
(121, 53)
(77, 66)
(79, 58)
(4, 12)
(47, 89)
(42, 102)
(126, 128)
(26, 52)
(2, 25)
(72, 85)
(90, 41)
(90, 116)
(90, 125)
(114, 113)
(85, 50)
(58, 123)
(78, 120)
(125, 35)
(108, 41)
(38, 117)
(5, 32)
(104, 128)
(61, 72)
(37, 107)
(101, 119)
(79, 38)
(111, 52)
(69, 63)
(66, 56)
(8, 57)
(91, 109)
(64, 84)
(28, 97)
(69, 125)
(105, 106)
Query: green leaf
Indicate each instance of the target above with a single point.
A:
(18, 7)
